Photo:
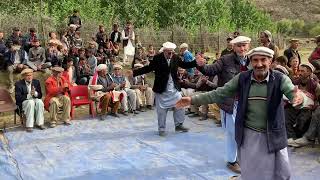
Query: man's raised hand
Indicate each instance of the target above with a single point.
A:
(200, 60)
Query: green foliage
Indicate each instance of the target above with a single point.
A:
(212, 14)
(315, 30)
(284, 26)
(297, 26)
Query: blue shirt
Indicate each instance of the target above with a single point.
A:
(188, 57)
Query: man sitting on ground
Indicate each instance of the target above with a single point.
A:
(28, 98)
(298, 120)
(37, 57)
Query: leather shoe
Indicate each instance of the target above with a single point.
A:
(234, 167)
(41, 127)
(162, 133)
(115, 115)
(181, 128)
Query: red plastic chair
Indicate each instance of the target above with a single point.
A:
(79, 96)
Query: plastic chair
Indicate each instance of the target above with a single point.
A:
(7, 105)
(79, 96)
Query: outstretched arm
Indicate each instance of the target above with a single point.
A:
(145, 69)
(215, 96)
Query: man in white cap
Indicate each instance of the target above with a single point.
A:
(166, 86)
(187, 56)
(28, 98)
(226, 68)
(266, 41)
(57, 97)
(260, 130)
(297, 121)
(139, 84)
(129, 95)
(106, 100)
(292, 51)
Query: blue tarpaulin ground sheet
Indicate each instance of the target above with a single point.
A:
(127, 148)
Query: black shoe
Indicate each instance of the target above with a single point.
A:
(189, 113)
(162, 133)
(67, 123)
(193, 115)
(135, 112)
(102, 117)
(141, 109)
(203, 118)
(123, 113)
(41, 127)
(181, 128)
(116, 115)
(149, 107)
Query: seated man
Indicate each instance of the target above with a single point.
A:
(107, 97)
(28, 99)
(57, 97)
(312, 133)
(128, 94)
(16, 59)
(37, 57)
(143, 91)
(184, 79)
(205, 84)
(297, 121)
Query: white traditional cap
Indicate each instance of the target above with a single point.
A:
(73, 26)
(184, 45)
(169, 45)
(26, 71)
(268, 33)
(161, 50)
(101, 67)
(282, 69)
(308, 65)
(57, 69)
(138, 65)
(263, 51)
(117, 66)
(241, 39)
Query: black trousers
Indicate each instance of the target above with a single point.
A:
(313, 131)
(297, 121)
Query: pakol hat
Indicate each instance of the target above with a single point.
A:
(308, 65)
(26, 71)
(57, 69)
(169, 46)
(101, 67)
(241, 39)
(262, 51)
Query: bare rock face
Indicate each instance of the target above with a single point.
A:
(308, 10)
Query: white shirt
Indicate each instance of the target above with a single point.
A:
(29, 86)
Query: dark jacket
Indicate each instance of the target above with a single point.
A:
(276, 129)
(9, 57)
(225, 68)
(162, 71)
(22, 91)
(112, 36)
(74, 20)
(289, 53)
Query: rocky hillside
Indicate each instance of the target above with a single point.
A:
(307, 10)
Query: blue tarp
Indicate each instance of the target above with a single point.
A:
(126, 148)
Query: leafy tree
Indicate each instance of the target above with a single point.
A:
(284, 26)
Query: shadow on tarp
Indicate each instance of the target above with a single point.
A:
(125, 148)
